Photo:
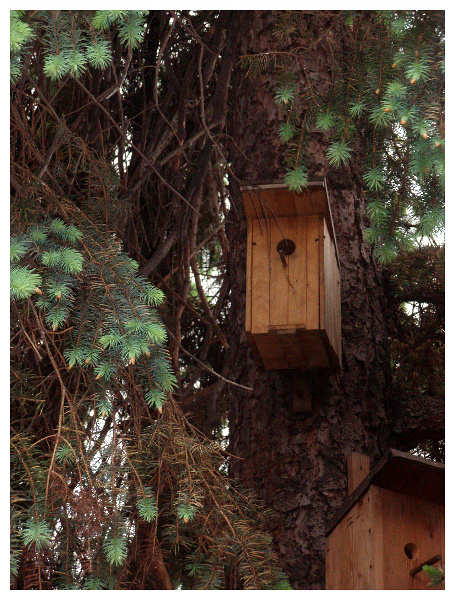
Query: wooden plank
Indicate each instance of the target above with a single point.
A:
(329, 218)
(337, 308)
(358, 468)
(412, 535)
(313, 349)
(338, 330)
(312, 272)
(265, 199)
(323, 300)
(278, 351)
(269, 201)
(331, 309)
(401, 472)
(381, 540)
(279, 273)
(260, 269)
(290, 350)
(249, 255)
(297, 273)
(353, 561)
(413, 475)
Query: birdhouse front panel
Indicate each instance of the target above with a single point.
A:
(292, 281)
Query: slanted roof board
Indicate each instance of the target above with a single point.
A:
(275, 200)
(403, 473)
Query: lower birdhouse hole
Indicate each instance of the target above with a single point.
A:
(410, 550)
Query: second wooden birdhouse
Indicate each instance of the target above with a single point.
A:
(293, 309)
(390, 527)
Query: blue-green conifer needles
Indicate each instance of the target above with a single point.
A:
(75, 40)
(386, 104)
(97, 295)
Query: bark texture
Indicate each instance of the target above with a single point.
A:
(297, 462)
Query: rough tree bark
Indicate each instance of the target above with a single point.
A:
(296, 462)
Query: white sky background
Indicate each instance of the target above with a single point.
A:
(4, 238)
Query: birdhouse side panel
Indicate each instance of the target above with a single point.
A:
(413, 534)
(330, 296)
(354, 547)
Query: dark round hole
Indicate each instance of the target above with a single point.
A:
(285, 247)
(410, 550)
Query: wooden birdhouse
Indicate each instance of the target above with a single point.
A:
(293, 310)
(391, 525)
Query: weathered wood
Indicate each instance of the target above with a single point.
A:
(297, 275)
(412, 533)
(249, 258)
(330, 308)
(295, 296)
(312, 271)
(358, 467)
(354, 549)
(401, 472)
(389, 527)
(383, 541)
(275, 199)
(279, 273)
(260, 281)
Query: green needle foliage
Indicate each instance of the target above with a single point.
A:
(75, 40)
(297, 179)
(435, 575)
(387, 100)
(110, 477)
(147, 506)
(37, 533)
(112, 487)
(116, 549)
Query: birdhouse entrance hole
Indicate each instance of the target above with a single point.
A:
(410, 550)
(285, 248)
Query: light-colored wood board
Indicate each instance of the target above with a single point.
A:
(331, 308)
(322, 275)
(312, 272)
(279, 273)
(352, 562)
(249, 254)
(282, 202)
(409, 520)
(260, 276)
(297, 273)
(277, 200)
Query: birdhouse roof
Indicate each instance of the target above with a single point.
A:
(274, 200)
(401, 472)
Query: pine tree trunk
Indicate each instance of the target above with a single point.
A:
(296, 462)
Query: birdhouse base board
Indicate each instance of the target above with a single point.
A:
(293, 349)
